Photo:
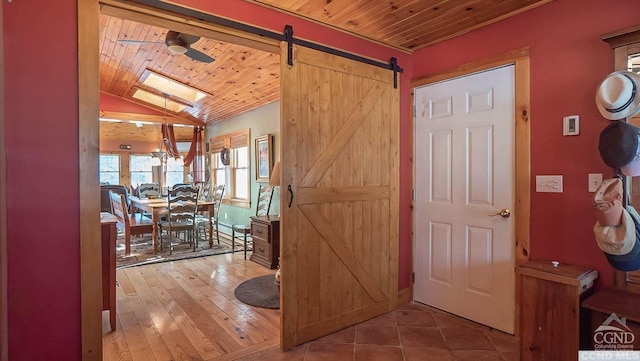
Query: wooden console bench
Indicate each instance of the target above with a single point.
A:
(623, 303)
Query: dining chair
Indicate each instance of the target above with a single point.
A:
(131, 224)
(180, 185)
(182, 204)
(105, 201)
(149, 189)
(202, 221)
(265, 194)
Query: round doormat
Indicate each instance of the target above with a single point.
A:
(260, 292)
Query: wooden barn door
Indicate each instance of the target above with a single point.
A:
(339, 194)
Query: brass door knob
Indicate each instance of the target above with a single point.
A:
(504, 213)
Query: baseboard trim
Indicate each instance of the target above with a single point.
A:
(405, 295)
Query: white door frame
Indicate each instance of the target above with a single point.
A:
(520, 59)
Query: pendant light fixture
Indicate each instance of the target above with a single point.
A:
(158, 155)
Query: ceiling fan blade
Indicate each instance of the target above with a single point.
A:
(139, 42)
(199, 56)
(189, 39)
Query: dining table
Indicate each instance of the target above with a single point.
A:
(158, 207)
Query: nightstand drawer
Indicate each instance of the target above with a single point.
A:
(260, 231)
(261, 248)
(265, 232)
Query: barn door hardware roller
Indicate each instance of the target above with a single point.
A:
(288, 36)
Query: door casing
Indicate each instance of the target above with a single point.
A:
(454, 219)
(520, 59)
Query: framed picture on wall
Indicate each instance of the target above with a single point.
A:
(264, 159)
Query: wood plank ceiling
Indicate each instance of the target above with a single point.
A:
(241, 78)
(404, 24)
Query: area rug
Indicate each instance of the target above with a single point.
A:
(260, 292)
(142, 251)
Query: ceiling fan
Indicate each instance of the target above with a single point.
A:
(178, 43)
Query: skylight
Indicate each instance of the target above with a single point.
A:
(158, 100)
(172, 87)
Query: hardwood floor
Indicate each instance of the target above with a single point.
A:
(186, 310)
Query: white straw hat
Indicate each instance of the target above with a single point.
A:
(618, 95)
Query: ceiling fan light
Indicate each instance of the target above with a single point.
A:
(177, 48)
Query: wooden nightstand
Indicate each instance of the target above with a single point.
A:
(265, 232)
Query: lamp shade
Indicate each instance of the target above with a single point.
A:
(155, 161)
(275, 175)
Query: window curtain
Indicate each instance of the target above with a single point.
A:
(195, 156)
(169, 139)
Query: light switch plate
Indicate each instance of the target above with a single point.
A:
(595, 179)
(571, 125)
(549, 183)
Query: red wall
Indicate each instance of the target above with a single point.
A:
(568, 61)
(116, 104)
(41, 112)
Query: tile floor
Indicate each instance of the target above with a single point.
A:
(412, 332)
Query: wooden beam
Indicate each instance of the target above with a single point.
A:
(137, 117)
(622, 37)
(3, 213)
(90, 247)
(181, 23)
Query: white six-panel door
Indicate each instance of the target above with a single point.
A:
(464, 174)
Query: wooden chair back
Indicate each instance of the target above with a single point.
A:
(177, 185)
(119, 209)
(265, 194)
(218, 193)
(131, 225)
(105, 200)
(183, 204)
(147, 189)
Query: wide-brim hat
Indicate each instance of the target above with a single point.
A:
(630, 261)
(618, 144)
(632, 169)
(616, 240)
(618, 95)
(607, 202)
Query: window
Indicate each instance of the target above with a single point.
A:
(140, 169)
(217, 169)
(240, 172)
(175, 173)
(236, 175)
(110, 168)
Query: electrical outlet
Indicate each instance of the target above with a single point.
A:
(226, 215)
(595, 179)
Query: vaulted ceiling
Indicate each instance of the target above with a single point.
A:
(242, 78)
(404, 24)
